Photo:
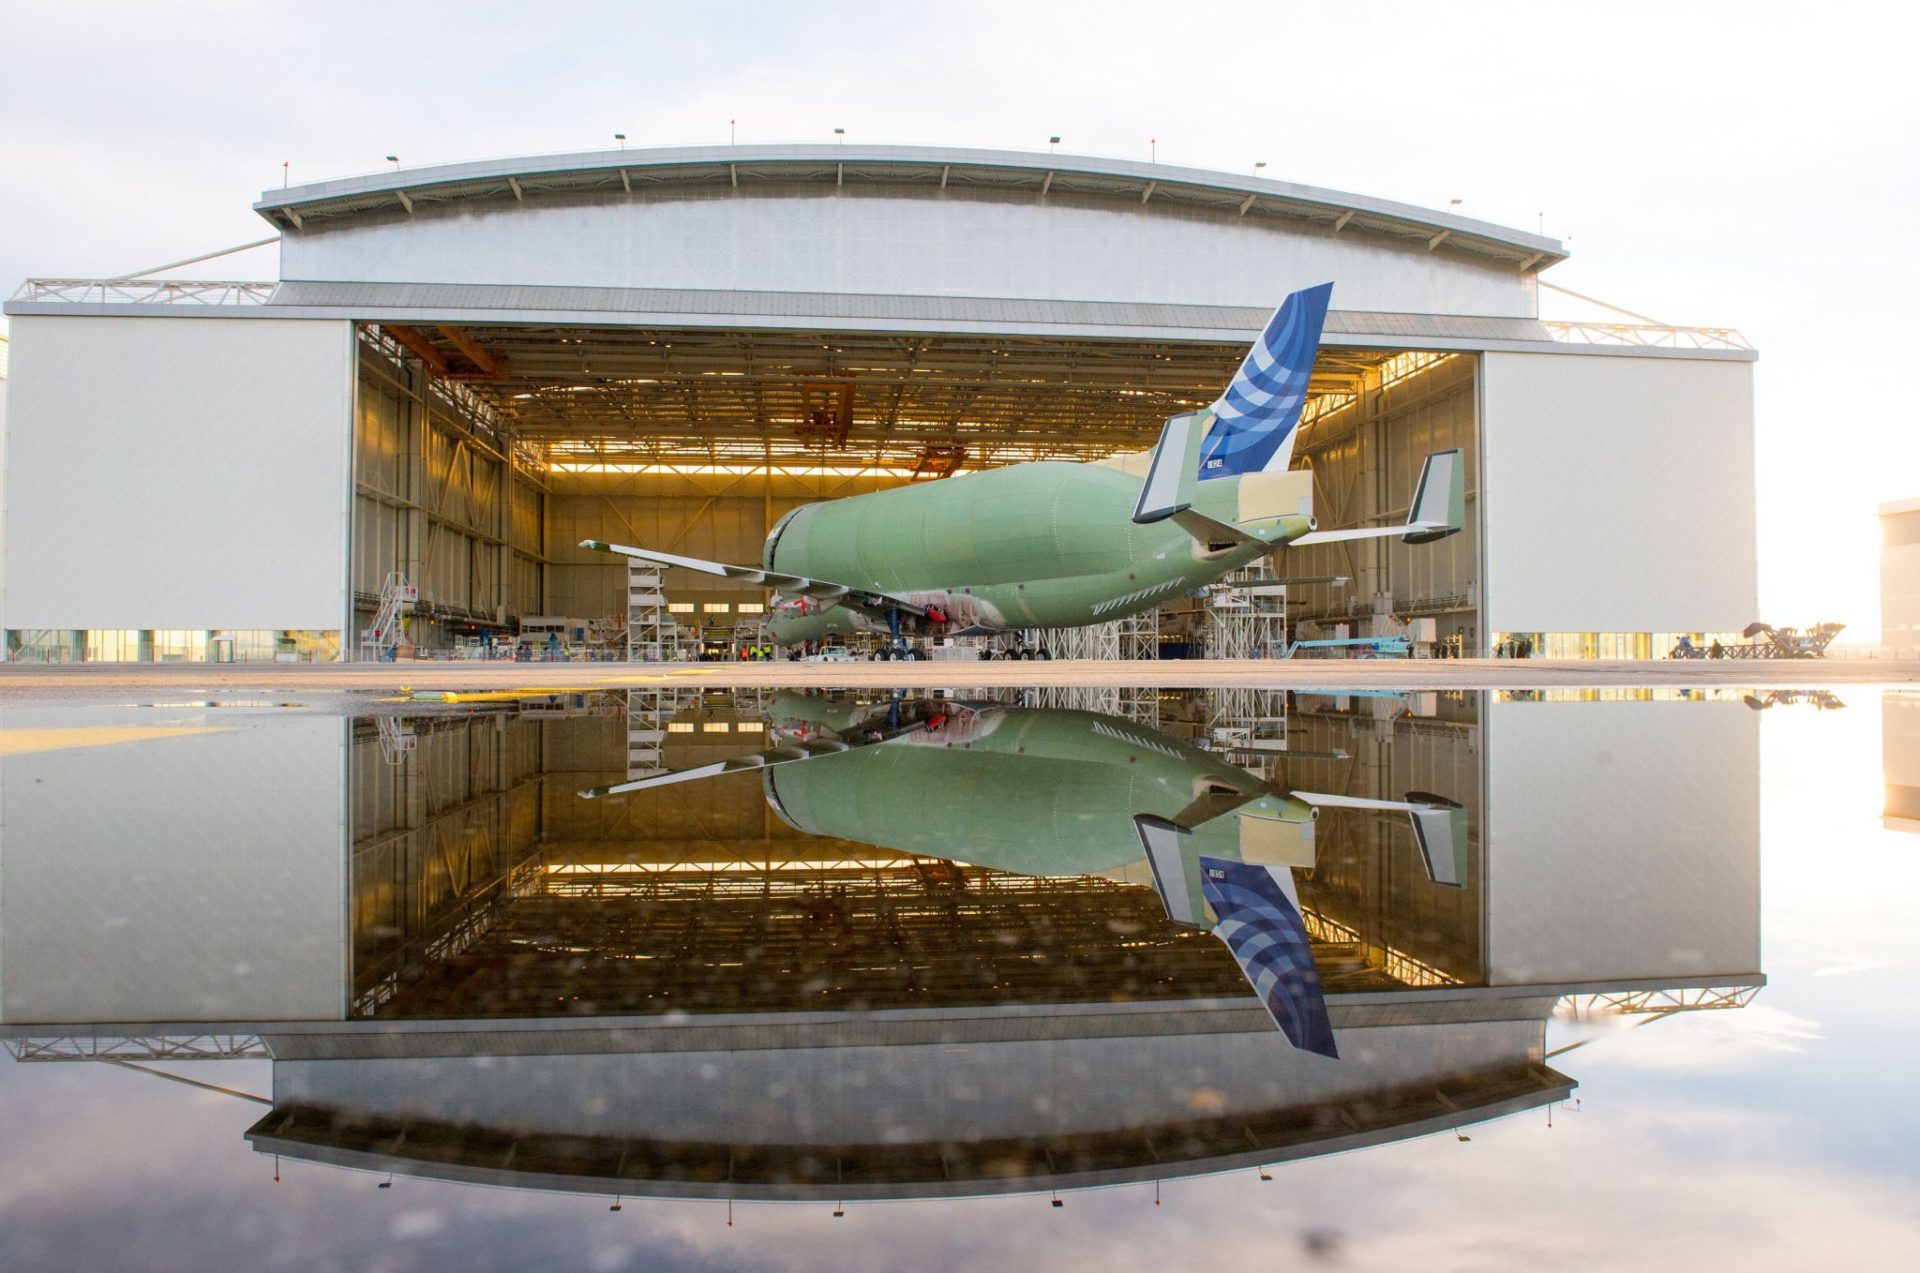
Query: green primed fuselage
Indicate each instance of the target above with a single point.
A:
(1021, 790)
(1049, 544)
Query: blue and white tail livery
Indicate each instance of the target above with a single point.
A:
(1255, 420)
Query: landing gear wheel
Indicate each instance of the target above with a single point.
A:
(1044, 654)
(917, 655)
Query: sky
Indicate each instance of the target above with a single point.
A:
(1745, 165)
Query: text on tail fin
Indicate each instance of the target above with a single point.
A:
(1255, 419)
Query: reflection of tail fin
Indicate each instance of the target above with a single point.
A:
(1255, 420)
(1262, 926)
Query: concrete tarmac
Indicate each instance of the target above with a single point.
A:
(22, 683)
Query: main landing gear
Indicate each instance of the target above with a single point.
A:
(898, 649)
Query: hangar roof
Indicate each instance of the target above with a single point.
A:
(677, 170)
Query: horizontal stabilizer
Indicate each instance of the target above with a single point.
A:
(1438, 509)
(1439, 828)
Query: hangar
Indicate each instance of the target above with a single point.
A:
(464, 370)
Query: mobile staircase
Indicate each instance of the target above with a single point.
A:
(397, 599)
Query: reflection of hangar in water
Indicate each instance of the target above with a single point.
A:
(487, 978)
(463, 371)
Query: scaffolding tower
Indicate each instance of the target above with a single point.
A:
(1250, 725)
(1135, 637)
(1096, 641)
(1247, 614)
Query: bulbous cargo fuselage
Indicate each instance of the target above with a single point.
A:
(1032, 792)
(1031, 545)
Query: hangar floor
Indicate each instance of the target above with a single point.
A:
(22, 683)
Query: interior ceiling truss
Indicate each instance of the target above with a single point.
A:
(789, 399)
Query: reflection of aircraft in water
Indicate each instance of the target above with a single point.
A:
(1053, 792)
(479, 978)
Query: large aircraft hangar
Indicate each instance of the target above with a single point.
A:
(464, 370)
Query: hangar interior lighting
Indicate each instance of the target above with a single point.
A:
(633, 400)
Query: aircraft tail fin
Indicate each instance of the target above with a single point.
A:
(1257, 417)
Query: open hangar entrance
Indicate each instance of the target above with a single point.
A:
(485, 453)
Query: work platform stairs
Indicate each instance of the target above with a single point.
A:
(397, 599)
(653, 634)
(648, 711)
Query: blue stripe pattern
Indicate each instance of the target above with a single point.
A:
(1261, 406)
(1269, 941)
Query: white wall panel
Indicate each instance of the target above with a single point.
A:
(955, 244)
(177, 473)
(1618, 494)
(1622, 841)
(198, 878)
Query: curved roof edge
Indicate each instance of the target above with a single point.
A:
(296, 208)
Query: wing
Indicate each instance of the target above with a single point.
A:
(785, 754)
(810, 750)
(864, 599)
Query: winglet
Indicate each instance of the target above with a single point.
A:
(1176, 871)
(1439, 501)
(1174, 469)
(1440, 831)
